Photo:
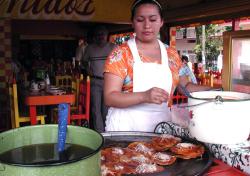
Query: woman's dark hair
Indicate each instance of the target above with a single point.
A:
(137, 3)
(184, 58)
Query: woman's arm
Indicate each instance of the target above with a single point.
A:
(187, 87)
(114, 97)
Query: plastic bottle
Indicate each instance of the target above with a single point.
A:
(47, 81)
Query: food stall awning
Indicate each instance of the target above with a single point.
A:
(177, 12)
(108, 11)
(182, 12)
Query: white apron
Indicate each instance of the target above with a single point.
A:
(143, 117)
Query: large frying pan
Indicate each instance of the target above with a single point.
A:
(191, 167)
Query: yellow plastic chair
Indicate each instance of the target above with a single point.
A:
(83, 111)
(12, 112)
(72, 84)
(16, 119)
(64, 81)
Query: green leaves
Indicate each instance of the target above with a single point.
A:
(213, 42)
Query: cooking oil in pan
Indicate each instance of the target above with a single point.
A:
(44, 154)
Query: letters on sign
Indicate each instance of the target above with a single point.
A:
(76, 8)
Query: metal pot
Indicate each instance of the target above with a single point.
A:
(219, 117)
(41, 134)
(41, 85)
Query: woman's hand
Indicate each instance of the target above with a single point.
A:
(114, 97)
(156, 95)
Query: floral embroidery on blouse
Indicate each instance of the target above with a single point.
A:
(115, 56)
(120, 63)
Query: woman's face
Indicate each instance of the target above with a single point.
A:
(147, 22)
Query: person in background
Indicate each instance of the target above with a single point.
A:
(190, 65)
(141, 75)
(186, 71)
(82, 44)
(200, 68)
(94, 58)
(220, 62)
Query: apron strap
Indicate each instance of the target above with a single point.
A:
(164, 55)
(134, 51)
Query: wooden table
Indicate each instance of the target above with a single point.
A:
(42, 98)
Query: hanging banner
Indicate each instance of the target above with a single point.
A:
(113, 11)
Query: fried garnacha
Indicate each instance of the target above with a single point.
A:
(112, 154)
(142, 147)
(164, 142)
(118, 168)
(145, 168)
(187, 150)
(135, 159)
(107, 171)
(163, 159)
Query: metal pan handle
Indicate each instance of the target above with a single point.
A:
(217, 100)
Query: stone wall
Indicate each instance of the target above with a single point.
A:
(5, 69)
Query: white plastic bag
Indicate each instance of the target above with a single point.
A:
(180, 115)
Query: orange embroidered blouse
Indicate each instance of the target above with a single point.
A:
(120, 63)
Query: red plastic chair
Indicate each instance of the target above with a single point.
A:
(179, 98)
(83, 111)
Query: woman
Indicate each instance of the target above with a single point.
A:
(186, 70)
(141, 75)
